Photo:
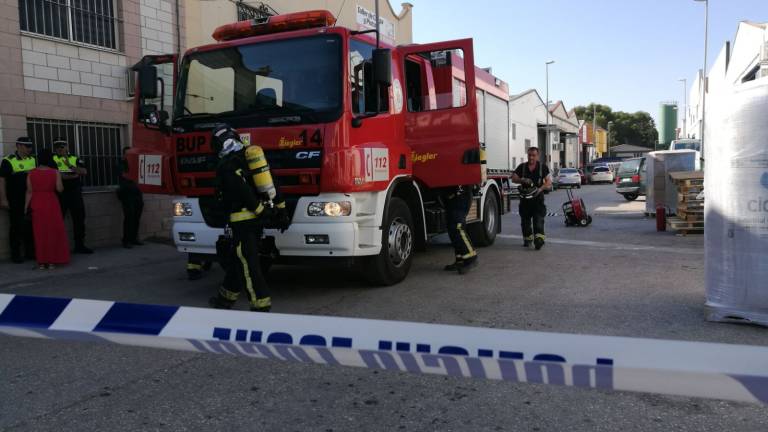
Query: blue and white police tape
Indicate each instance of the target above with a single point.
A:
(721, 371)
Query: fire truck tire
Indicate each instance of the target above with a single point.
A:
(392, 264)
(484, 233)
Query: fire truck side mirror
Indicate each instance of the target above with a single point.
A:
(148, 82)
(382, 66)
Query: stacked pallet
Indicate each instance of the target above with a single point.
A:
(690, 203)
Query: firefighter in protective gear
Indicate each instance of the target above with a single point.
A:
(250, 198)
(534, 179)
(457, 202)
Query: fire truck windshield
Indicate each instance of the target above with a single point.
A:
(292, 80)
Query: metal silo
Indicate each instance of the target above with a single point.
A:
(667, 124)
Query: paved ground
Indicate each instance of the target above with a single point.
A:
(617, 277)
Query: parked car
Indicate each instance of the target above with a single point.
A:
(630, 181)
(568, 177)
(601, 174)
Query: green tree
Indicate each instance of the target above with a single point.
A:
(627, 128)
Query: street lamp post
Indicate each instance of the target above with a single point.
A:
(685, 106)
(704, 77)
(548, 138)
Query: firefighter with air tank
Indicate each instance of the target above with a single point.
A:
(249, 196)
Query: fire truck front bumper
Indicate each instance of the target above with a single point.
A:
(195, 237)
(339, 239)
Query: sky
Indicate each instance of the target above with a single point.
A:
(628, 54)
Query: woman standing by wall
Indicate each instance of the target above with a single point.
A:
(51, 244)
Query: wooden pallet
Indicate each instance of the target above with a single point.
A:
(688, 216)
(683, 227)
(689, 189)
(690, 183)
(685, 197)
(691, 207)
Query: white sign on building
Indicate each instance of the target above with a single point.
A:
(366, 20)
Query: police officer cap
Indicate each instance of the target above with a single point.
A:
(26, 141)
(221, 133)
(59, 142)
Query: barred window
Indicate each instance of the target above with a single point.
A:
(91, 22)
(99, 145)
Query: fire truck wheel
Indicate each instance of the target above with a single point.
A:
(484, 233)
(392, 264)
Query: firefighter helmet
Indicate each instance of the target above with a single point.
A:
(225, 140)
(527, 189)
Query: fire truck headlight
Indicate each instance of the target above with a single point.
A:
(182, 209)
(333, 208)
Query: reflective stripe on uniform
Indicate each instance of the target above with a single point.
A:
(280, 205)
(19, 165)
(467, 243)
(263, 303)
(227, 294)
(245, 215)
(529, 238)
(246, 272)
(191, 266)
(541, 236)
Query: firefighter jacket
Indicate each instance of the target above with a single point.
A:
(246, 185)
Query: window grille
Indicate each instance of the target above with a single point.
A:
(259, 12)
(99, 145)
(91, 22)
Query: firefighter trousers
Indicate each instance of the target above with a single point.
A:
(243, 270)
(71, 201)
(457, 207)
(532, 214)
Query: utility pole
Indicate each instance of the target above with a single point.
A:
(594, 124)
(548, 139)
(704, 78)
(685, 106)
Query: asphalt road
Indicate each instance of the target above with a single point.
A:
(617, 277)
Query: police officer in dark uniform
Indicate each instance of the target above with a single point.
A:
(72, 169)
(534, 179)
(13, 189)
(250, 198)
(457, 202)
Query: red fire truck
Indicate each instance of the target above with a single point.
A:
(361, 138)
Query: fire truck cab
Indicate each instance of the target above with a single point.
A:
(362, 139)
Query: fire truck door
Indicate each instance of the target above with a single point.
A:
(150, 159)
(441, 124)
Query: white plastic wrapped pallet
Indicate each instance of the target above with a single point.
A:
(736, 208)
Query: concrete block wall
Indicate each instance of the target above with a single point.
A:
(157, 27)
(104, 221)
(65, 68)
(42, 77)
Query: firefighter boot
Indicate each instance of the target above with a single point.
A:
(538, 243)
(217, 302)
(262, 305)
(455, 266)
(467, 265)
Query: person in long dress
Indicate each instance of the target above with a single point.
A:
(51, 243)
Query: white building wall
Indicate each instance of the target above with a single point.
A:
(526, 113)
